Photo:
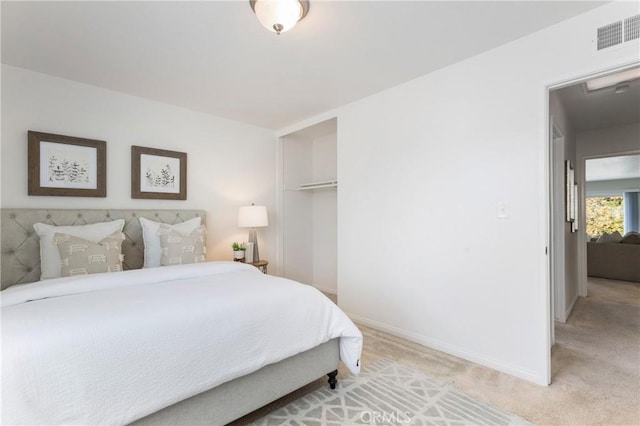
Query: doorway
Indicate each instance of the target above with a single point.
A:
(589, 121)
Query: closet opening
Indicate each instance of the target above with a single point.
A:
(308, 197)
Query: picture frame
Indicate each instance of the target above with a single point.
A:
(158, 174)
(66, 166)
(574, 222)
(569, 193)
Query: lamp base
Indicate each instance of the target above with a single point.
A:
(253, 238)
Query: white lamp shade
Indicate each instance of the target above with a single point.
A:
(253, 217)
(278, 13)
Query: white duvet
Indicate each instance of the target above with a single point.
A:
(112, 348)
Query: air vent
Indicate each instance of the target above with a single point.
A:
(610, 35)
(632, 28)
(619, 32)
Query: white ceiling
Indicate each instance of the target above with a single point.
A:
(600, 109)
(215, 57)
(612, 168)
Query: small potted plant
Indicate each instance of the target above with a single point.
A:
(238, 252)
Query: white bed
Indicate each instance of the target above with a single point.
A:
(193, 344)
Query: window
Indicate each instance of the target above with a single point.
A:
(604, 214)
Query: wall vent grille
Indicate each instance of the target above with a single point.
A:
(619, 32)
(610, 35)
(632, 28)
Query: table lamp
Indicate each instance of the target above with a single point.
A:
(253, 217)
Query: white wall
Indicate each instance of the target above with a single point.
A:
(422, 168)
(608, 142)
(571, 285)
(297, 210)
(325, 215)
(611, 188)
(229, 164)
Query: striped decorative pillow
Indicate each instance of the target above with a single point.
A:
(83, 257)
(179, 249)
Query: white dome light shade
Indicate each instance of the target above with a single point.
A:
(278, 15)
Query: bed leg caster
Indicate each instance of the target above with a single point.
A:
(332, 379)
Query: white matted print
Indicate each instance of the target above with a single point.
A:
(68, 166)
(159, 174)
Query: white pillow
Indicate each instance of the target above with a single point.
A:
(151, 238)
(49, 255)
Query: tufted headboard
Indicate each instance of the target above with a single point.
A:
(20, 249)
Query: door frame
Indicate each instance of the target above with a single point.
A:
(548, 146)
(582, 197)
(557, 228)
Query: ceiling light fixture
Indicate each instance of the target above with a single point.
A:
(279, 15)
(613, 79)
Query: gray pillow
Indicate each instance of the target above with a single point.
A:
(151, 239)
(614, 237)
(631, 238)
(83, 257)
(49, 256)
(180, 249)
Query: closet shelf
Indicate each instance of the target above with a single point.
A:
(318, 185)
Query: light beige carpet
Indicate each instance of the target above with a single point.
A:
(388, 393)
(595, 366)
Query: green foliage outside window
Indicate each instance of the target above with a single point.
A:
(604, 214)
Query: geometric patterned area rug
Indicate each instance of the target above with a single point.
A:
(387, 393)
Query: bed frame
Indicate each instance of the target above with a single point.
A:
(20, 263)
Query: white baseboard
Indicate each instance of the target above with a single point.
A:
(570, 308)
(567, 311)
(453, 350)
(562, 318)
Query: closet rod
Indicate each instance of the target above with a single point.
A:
(317, 185)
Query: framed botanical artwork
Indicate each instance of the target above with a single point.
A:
(569, 192)
(158, 174)
(574, 222)
(66, 166)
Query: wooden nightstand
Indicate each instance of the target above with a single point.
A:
(262, 265)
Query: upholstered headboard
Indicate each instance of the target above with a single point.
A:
(21, 248)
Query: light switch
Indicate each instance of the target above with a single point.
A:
(502, 210)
